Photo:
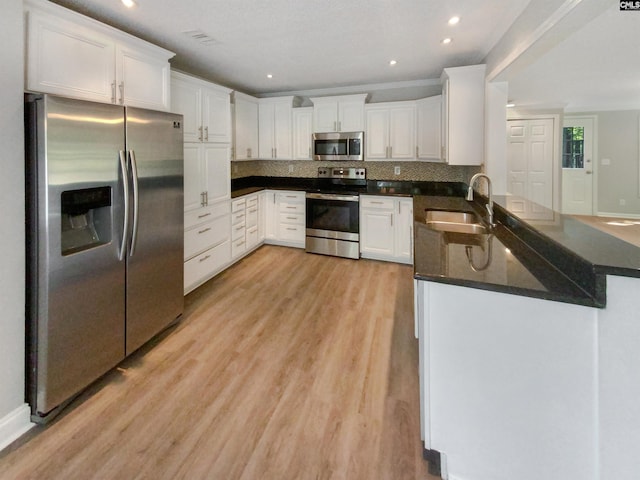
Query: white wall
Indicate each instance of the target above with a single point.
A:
(14, 414)
(618, 141)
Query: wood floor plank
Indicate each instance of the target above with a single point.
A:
(285, 366)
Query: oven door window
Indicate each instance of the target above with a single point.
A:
(333, 215)
(331, 147)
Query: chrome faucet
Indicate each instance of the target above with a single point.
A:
(489, 205)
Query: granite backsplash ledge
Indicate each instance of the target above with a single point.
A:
(409, 171)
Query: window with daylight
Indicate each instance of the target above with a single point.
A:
(573, 147)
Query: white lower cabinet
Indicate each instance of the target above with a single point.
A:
(207, 244)
(285, 218)
(386, 228)
(245, 224)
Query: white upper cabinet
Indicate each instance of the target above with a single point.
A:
(343, 113)
(463, 115)
(274, 128)
(428, 130)
(390, 131)
(302, 131)
(206, 108)
(72, 55)
(245, 127)
(207, 173)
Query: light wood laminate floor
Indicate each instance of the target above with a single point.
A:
(286, 366)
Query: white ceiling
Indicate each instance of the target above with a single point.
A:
(313, 44)
(596, 68)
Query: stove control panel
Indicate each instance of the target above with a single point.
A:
(347, 173)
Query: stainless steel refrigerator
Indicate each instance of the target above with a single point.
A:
(104, 239)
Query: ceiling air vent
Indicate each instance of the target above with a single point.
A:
(200, 36)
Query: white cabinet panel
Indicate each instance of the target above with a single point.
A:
(428, 130)
(246, 127)
(463, 115)
(274, 128)
(194, 172)
(142, 79)
(302, 131)
(73, 55)
(386, 228)
(217, 172)
(204, 266)
(344, 113)
(206, 108)
(390, 131)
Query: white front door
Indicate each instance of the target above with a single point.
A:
(577, 165)
(530, 166)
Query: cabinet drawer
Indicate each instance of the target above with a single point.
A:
(252, 237)
(237, 231)
(238, 204)
(252, 217)
(205, 236)
(287, 207)
(385, 203)
(252, 201)
(292, 218)
(292, 233)
(290, 197)
(207, 264)
(238, 217)
(205, 214)
(238, 247)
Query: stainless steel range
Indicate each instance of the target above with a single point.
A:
(333, 212)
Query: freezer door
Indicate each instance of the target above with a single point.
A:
(155, 259)
(75, 281)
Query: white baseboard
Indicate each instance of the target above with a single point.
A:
(15, 424)
(619, 215)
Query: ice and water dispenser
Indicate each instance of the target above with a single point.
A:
(86, 219)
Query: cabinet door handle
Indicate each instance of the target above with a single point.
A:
(391, 217)
(200, 232)
(309, 152)
(113, 92)
(240, 243)
(204, 215)
(206, 198)
(376, 203)
(205, 258)
(121, 93)
(294, 229)
(200, 133)
(390, 152)
(239, 228)
(292, 218)
(253, 210)
(206, 134)
(417, 152)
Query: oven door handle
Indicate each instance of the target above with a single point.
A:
(326, 196)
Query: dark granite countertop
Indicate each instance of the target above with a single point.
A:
(247, 185)
(497, 261)
(554, 256)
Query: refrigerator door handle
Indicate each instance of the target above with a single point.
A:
(125, 184)
(134, 177)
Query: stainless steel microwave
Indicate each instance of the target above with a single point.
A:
(338, 146)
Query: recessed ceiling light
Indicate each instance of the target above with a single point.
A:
(269, 75)
(129, 3)
(454, 20)
(511, 105)
(392, 62)
(446, 41)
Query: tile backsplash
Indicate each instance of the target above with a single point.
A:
(409, 171)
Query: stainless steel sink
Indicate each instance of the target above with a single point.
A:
(458, 222)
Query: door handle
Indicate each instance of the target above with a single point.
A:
(125, 194)
(134, 177)
(121, 93)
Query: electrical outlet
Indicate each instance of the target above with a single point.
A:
(623, 202)
(605, 161)
(396, 170)
(290, 168)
